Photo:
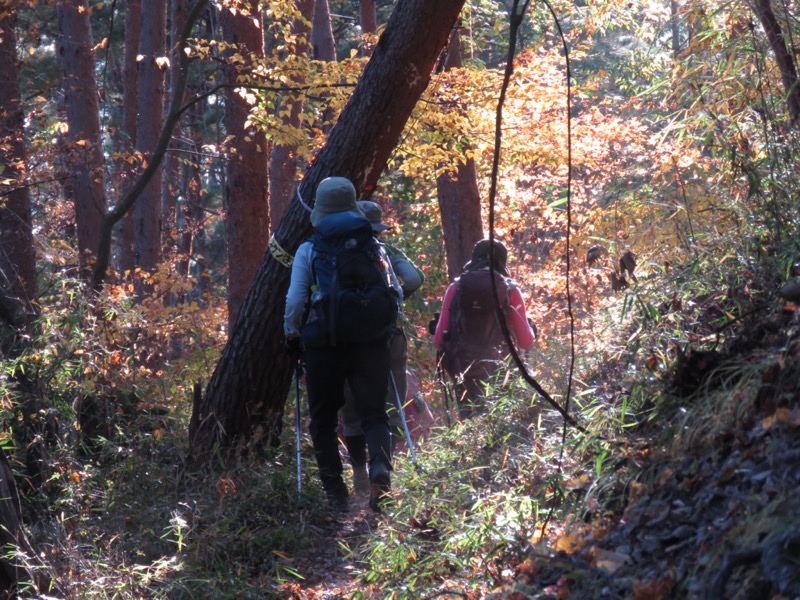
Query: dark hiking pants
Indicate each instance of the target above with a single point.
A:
(365, 367)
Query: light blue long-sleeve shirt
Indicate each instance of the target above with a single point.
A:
(300, 286)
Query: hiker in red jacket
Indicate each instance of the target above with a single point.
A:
(468, 333)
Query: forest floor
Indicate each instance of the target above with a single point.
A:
(709, 512)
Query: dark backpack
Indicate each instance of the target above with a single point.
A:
(474, 342)
(351, 297)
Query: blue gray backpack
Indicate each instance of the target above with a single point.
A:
(352, 299)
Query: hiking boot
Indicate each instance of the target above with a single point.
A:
(336, 491)
(338, 501)
(380, 486)
(360, 480)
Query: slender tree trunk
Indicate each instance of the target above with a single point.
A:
(133, 16)
(171, 179)
(459, 197)
(369, 23)
(151, 168)
(674, 26)
(17, 283)
(193, 236)
(783, 56)
(191, 230)
(150, 101)
(283, 158)
(324, 48)
(322, 42)
(83, 144)
(246, 202)
(17, 256)
(243, 404)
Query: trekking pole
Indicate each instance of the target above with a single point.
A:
(403, 418)
(297, 370)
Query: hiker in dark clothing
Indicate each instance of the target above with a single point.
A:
(411, 279)
(468, 333)
(336, 349)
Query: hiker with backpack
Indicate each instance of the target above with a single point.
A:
(341, 309)
(468, 334)
(411, 279)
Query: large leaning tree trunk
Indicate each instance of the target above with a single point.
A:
(243, 403)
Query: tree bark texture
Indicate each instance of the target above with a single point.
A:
(243, 403)
(246, 202)
(283, 158)
(783, 56)
(149, 124)
(459, 197)
(83, 145)
(17, 255)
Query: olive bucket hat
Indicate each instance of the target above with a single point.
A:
(334, 195)
(374, 213)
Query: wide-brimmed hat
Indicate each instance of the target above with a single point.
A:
(374, 213)
(480, 256)
(334, 195)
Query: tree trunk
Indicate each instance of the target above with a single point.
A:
(150, 101)
(783, 57)
(133, 16)
(460, 208)
(17, 282)
(675, 28)
(83, 145)
(324, 48)
(243, 404)
(137, 186)
(459, 197)
(17, 257)
(283, 158)
(369, 23)
(171, 178)
(192, 229)
(246, 202)
(322, 42)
